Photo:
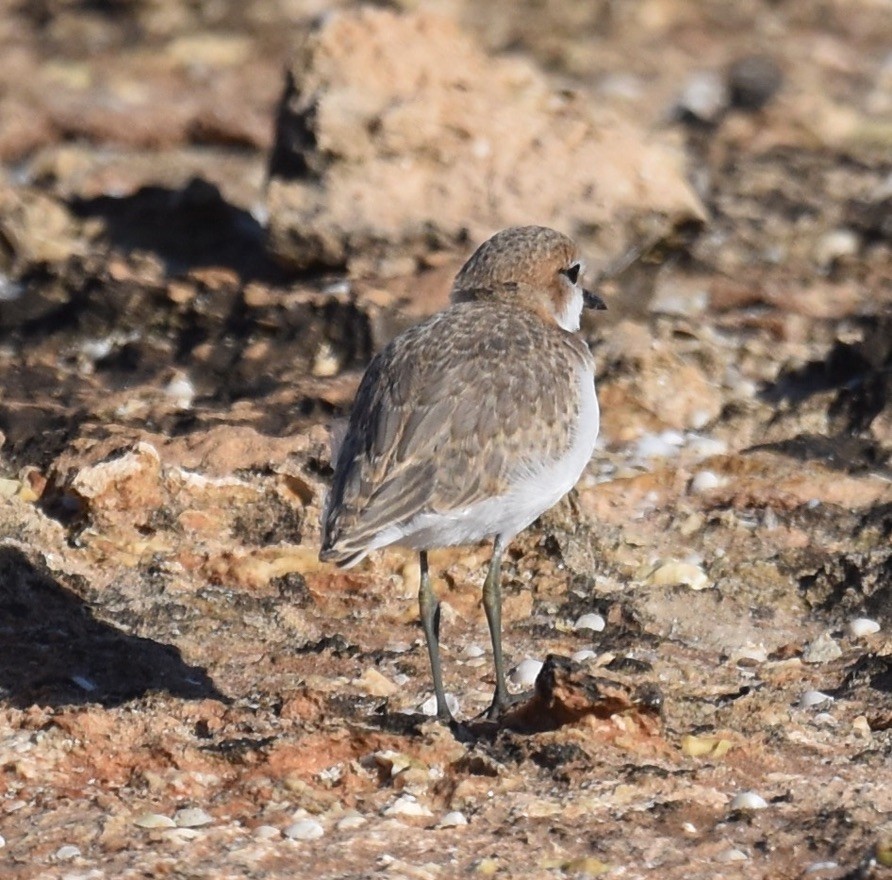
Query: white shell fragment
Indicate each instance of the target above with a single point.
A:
(304, 829)
(592, 622)
(748, 800)
(705, 481)
(180, 391)
(583, 655)
(524, 674)
(350, 822)
(453, 819)
(192, 817)
(862, 626)
(154, 820)
(407, 806)
(673, 573)
(813, 698)
(67, 852)
(267, 832)
(429, 706)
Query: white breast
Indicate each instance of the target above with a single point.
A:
(531, 494)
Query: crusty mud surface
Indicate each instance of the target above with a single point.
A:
(187, 302)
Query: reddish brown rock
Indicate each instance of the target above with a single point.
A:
(380, 152)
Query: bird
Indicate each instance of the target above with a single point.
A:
(469, 425)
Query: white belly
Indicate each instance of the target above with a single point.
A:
(507, 514)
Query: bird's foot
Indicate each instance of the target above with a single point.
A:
(500, 704)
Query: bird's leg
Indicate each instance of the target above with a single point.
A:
(492, 605)
(430, 623)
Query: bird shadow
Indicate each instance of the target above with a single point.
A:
(187, 228)
(54, 652)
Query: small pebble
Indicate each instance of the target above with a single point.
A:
(84, 683)
(591, 622)
(339, 288)
(705, 447)
(748, 800)
(524, 674)
(813, 698)
(267, 832)
(861, 726)
(664, 445)
(862, 626)
(816, 867)
(407, 806)
(180, 391)
(583, 655)
(2, 841)
(154, 820)
(836, 245)
(750, 655)
(429, 706)
(350, 821)
(822, 650)
(733, 855)
(304, 829)
(453, 819)
(473, 651)
(673, 573)
(703, 96)
(826, 719)
(753, 81)
(192, 817)
(705, 481)
(326, 363)
(182, 835)
(67, 853)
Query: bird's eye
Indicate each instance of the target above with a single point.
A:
(573, 272)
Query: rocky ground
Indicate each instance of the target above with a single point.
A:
(213, 214)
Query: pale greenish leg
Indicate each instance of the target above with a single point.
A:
(430, 623)
(492, 605)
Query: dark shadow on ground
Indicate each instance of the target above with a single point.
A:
(54, 652)
(186, 228)
(860, 376)
(860, 372)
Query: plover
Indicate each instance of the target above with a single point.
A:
(472, 423)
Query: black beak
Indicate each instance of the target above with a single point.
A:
(593, 301)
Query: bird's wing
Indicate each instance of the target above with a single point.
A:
(446, 415)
